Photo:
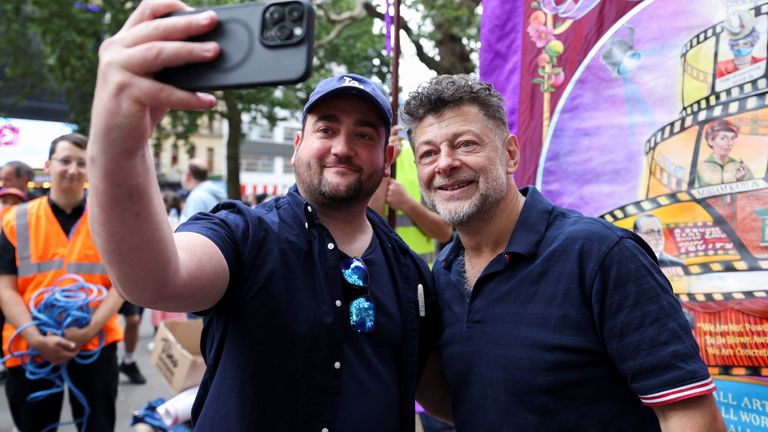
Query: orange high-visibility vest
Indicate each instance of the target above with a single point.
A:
(44, 254)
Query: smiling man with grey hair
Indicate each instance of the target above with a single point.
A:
(551, 320)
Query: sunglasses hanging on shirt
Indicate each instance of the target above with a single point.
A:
(362, 311)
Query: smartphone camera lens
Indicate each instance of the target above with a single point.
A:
(283, 23)
(295, 13)
(274, 15)
(283, 32)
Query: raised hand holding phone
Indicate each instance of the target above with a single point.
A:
(128, 101)
(261, 44)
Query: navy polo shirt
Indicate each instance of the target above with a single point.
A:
(567, 329)
(277, 346)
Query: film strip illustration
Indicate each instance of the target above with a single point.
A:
(635, 208)
(747, 295)
(718, 28)
(675, 154)
(738, 370)
(708, 76)
(745, 104)
(759, 85)
(717, 260)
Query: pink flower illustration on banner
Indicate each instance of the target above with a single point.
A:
(556, 80)
(538, 18)
(548, 20)
(9, 135)
(544, 31)
(540, 35)
(568, 9)
(543, 60)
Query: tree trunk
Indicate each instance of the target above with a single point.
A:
(234, 137)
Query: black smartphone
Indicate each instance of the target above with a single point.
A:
(262, 44)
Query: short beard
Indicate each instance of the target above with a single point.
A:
(327, 193)
(493, 189)
(316, 188)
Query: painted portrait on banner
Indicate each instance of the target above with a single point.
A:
(741, 49)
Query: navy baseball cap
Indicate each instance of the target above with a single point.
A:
(351, 84)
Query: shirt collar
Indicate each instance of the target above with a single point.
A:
(306, 212)
(528, 233)
(302, 208)
(78, 208)
(532, 223)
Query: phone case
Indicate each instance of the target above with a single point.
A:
(250, 58)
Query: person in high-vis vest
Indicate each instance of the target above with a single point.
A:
(41, 241)
(416, 224)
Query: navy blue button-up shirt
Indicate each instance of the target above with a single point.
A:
(273, 345)
(572, 327)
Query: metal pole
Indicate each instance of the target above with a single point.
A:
(395, 91)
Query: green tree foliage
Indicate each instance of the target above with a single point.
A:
(51, 46)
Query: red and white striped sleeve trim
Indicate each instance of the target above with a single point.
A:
(677, 394)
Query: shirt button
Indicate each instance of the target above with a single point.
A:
(306, 225)
(337, 365)
(331, 246)
(324, 430)
(338, 303)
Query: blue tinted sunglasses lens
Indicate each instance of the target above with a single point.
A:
(355, 272)
(362, 314)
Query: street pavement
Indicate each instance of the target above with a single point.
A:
(130, 397)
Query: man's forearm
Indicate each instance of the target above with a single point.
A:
(128, 222)
(128, 219)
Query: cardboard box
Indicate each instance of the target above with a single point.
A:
(176, 354)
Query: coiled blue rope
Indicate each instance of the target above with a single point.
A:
(54, 310)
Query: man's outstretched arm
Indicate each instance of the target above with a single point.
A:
(128, 220)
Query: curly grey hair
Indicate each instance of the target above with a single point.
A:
(447, 91)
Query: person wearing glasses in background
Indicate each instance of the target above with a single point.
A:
(314, 310)
(552, 321)
(41, 241)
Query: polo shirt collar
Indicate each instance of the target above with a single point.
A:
(529, 230)
(532, 223)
